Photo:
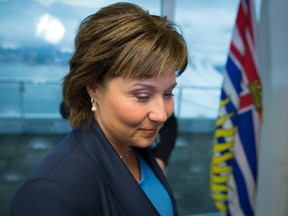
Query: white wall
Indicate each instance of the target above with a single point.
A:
(272, 197)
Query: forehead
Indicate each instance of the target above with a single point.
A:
(167, 81)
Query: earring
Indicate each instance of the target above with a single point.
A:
(93, 108)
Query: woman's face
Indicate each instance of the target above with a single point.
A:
(131, 112)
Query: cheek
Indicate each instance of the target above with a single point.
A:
(126, 112)
(131, 114)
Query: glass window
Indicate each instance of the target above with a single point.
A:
(207, 27)
(36, 43)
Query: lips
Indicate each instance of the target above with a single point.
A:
(150, 132)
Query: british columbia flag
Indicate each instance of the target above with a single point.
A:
(235, 153)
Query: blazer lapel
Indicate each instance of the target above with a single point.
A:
(150, 159)
(115, 173)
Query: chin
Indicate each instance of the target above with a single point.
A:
(145, 144)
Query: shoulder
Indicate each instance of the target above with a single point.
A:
(64, 183)
(69, 165)
(67, 162)
(44, 197)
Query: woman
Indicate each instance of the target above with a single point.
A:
(119, 94)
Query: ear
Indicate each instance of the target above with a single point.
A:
(91, 88)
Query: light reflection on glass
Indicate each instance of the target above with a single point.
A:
(50, 28)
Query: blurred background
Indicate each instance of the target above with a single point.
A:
(36, 43)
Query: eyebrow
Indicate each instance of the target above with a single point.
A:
(152, 86)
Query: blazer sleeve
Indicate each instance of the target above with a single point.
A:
(44, 197)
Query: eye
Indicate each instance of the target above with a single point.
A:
(168, 94)
(142, 97)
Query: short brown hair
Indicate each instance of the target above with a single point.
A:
(120, 40)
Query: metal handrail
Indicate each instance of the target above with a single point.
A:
(23, 85)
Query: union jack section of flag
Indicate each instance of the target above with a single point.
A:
(236, 140)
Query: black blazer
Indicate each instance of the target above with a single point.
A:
(83, 175)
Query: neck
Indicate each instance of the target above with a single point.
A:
(125, 155)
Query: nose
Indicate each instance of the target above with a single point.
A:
(158, 112)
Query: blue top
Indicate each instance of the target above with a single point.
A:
(154, 189)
